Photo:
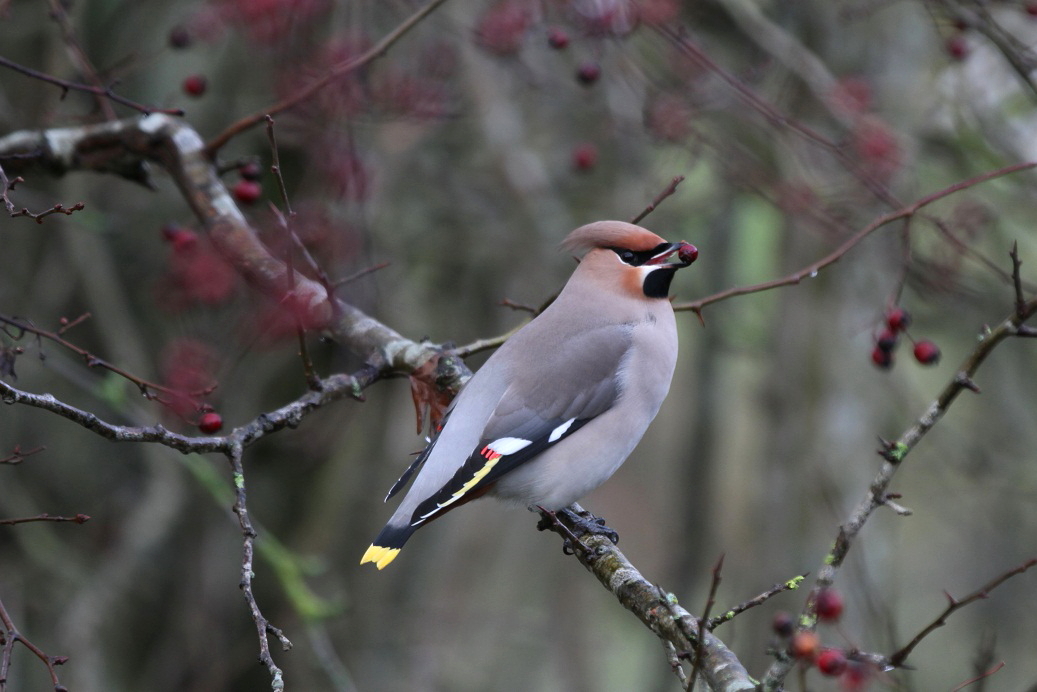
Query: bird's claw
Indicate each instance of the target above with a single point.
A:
(588, 523)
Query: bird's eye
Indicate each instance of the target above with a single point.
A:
(627, 256)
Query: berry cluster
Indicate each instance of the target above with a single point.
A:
(805, 645)
(897, 322)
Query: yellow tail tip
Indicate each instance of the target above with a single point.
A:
(379, 556)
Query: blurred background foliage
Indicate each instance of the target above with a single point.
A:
(461, 158)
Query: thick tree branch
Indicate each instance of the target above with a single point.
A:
(125, 147)
(658, 611)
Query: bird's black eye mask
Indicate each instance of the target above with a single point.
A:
(636, 259)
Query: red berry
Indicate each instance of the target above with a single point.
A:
(182, 239)
(887, 340)
(828, 604)
(557, 38)
(804, 645)
(195, 85)
(831, 662)
(687, 253)
(927, 353)
(783, 624)
(247, 191)
(210, 422)
(957, 47)
(251, 170)
(882, 358)
(585, 156)
(898, 319)
(588, 73)
(1031, 9)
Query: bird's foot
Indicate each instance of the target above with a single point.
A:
(588, 523)
(549, 521)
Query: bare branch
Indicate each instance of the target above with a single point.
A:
(263, 626)
(897, 659)
(983, 676)
(78, 519)
(351, 65)
(106, 92)
(669, 190)
(659, 611)
(56, 209)
(710, 602)
(17, 456)
(11, 636)
(1017, 279)
(147, 388)
(812, 270)
(122, 147)
(894, 454)
(790, 585)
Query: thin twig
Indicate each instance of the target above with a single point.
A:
(285, 221)
(148, 389)
(669, 190)
(1017, 279)
(360, 274)
(56, 209)
(86, 88)
(984, 676)
(521, 307)
(78, 519)
(710, 602)
(790, 585)
(897, 659)
(263, 626)
(17, 456)
(813, 269)
(340, 70)
(12, 636)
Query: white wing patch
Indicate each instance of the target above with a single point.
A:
(509, 445)
(560, 430)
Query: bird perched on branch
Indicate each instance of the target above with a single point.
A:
(560, 406)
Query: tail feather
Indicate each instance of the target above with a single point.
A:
(387, 545)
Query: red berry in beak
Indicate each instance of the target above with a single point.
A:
(687, 253)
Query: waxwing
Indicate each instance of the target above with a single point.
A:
(556, 409)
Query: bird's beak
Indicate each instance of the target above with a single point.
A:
(686, 254)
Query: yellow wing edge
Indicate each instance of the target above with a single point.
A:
(379, 556)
